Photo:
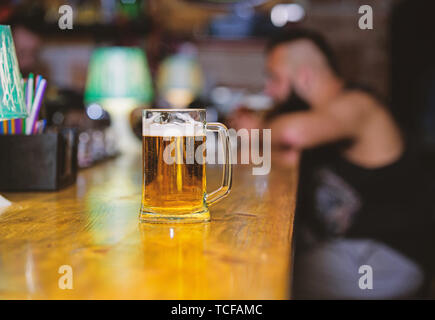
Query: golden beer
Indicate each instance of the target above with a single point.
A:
(173, 161)
(178, 187)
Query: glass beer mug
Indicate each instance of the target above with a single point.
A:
(174, 165)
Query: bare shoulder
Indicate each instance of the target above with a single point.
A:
(378, 140)
(358, 101)
(356, 105)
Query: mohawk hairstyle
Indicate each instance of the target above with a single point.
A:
(316, 38)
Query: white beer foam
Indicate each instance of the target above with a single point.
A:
(183, 125)
(173, 129)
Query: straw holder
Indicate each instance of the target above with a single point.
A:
(41, 162)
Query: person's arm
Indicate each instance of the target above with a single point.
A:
(342, 120)
(243, 118)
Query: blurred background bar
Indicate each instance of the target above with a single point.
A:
(222, 42)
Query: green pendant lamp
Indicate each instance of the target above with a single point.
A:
(12, 103)
(119, 81)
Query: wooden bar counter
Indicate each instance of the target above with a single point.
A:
(243, 253)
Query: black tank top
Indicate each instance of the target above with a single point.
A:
(340, 199)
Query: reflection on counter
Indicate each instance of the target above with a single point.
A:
(174, 258)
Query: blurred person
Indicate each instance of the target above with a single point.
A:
(27, 45)
(361, 199)
(27, 24)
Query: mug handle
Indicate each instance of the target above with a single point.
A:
(224, 189)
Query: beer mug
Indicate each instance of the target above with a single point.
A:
(174, 168)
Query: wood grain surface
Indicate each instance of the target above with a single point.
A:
(92, 226)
